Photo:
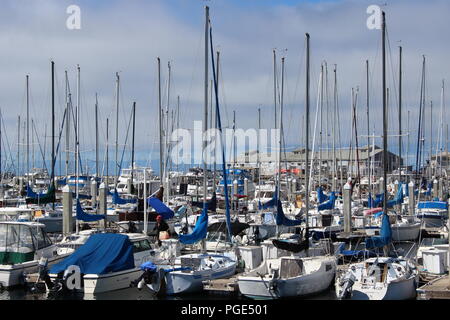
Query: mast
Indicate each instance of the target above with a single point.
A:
(166, 136)
(28, 130)
(320, 130)
(68, 113)
(132, 147)
(400, 115)
(107, 152)
(275, 85)
(116, 166)
(368, 127)
(53, 127)
(96, 135)
(280, 146)
(161, 165)
(205, 119)
(77, 142)
(215, 115)
(307, 138)
(385, 164)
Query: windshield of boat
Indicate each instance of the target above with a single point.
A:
(429, 242)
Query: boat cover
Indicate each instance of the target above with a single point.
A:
(281, 218)
(200, 229)
(329, 205)
(432, 205)
(102, 253)
(160, 208)
(118, 200)
(321, 196)
(87, 217)
(212, 204)
(385, 236)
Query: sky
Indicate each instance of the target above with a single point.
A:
(127, 36)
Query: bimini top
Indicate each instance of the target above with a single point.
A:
(102, 253)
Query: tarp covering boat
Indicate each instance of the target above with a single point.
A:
(321, 196)
(271, 203)
(373, 203)
(442, 205)
(236, 227)
(212, 203)
(102, 253)
(281, 218)
(160, 208)
(398, 198)
(385, 236)
(329, 205)
(290, 245)
(118, 200)
(200, 229)
(369, 212)
(49, 197)
(87, 217)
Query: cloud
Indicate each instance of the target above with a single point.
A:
(127, 36)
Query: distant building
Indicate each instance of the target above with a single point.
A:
(345, 157)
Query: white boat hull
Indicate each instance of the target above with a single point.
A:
(397, 290)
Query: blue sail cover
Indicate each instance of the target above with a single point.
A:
(102, 253)
(118, 200)
(398, 198)
(321, 196)
(212, 204)
(32, 194)
(83, 216)
(281, 219)
(385, 236)
(442, 205)
(378, 200)
(271, 203)
(329, 205)
(200, 229)
(428, 192)
(160, 208)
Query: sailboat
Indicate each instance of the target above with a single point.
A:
(187, 273)
(295, 275)
(381, 277)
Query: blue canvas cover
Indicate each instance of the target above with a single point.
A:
(160, 208)
(200, 229)
(432, 205)
(118, 200)
(212, 204)
(398, 198)
(281, 218)
(321, 196)
(378, 200)
(329, 205)
(385, 236)
(102, 253)
(87, 217)
(32, 194)
(271, 203)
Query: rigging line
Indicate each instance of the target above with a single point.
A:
(124, 145)
(7, 140)
(40, 147)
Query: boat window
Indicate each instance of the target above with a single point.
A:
(41, 241)
(139, 246)
(26, 242)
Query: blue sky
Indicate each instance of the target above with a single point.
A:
(127, 36)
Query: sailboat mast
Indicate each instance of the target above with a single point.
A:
(77, 141)
(28, 130)
(68, 113)
(53, 126)
(96, 135)
(161, 155)
(205, 119)
(368, 127)
(275, 85)
(385, 155)
(132, 147)
(116, 166)
(307, 134)
(18, 146)
(400, 115)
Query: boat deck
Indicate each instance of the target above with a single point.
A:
(227, 286)
(435, 289)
